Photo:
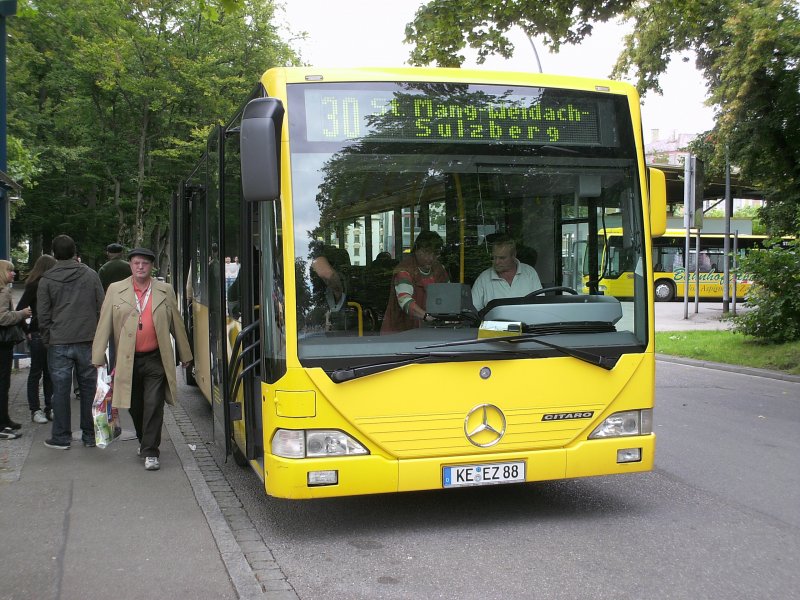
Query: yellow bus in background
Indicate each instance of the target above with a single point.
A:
(353, 165)
(669, 273)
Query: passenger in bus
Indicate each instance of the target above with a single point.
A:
(705, 265)
(331, 290)
(410, 279)
(507, 277)
(705, 262)
(377, 282)
(383, 260)
(335, 289)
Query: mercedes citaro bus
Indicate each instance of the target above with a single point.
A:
(352, 165)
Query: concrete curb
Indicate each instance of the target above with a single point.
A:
(707, 364)
(239, 571)
(239, 549)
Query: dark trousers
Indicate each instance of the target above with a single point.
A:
(148, 393)
(63, 360)
(112, 355)
(38, 371)
(6, 361)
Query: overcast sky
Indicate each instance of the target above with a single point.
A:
(354, 33)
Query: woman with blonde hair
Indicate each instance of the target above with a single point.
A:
(8, 317)
(38, 351)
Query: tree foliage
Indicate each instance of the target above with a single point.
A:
(747, 50)
(749, 53)
(442, 28)
(114, 99)
(775, 295)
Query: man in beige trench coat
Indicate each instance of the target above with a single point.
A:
(139, 313)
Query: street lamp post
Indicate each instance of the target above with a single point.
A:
(535, 53)
(8, 8)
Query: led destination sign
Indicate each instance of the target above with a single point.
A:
(541, 117)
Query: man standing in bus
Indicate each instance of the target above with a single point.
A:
(140, 313)
(507, 277)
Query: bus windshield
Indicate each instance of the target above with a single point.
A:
(426, 215)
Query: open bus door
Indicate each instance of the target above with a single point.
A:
(214, 278)
(181, 259)
(240, 242)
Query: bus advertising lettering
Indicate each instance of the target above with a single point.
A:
(713, 277)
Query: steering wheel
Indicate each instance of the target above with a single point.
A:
(558, 288)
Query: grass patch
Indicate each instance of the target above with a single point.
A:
(730, 348)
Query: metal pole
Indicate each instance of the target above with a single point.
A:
(5, 210)
(688, 206)
(735, 265)
(535, 53)
(726, 248)
(697, 272)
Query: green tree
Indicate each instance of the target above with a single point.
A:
(775, 294)
(116, 98)
(748, 52)
(442, 28)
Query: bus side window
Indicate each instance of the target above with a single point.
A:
(677, 261)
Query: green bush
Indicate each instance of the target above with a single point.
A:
(775, 294)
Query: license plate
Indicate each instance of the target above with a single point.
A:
(483, 474)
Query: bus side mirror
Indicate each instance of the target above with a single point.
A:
(658, 202)
(260, 136)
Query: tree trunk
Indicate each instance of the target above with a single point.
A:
(140, 212)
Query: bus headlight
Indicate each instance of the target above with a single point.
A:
(331, 443)
(314, 443)
(622, 424)
(289, 443)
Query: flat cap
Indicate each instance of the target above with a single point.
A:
(142, 252)
(115, 248)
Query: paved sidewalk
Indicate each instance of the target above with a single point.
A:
(709, 316)
(90, 523)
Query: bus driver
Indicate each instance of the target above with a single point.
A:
(507, 277)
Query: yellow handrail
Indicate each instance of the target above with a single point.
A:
(359, 312)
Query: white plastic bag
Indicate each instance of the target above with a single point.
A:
(103, 414)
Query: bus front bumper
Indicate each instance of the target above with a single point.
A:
(373, 474)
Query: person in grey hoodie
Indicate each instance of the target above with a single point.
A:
(69, 299)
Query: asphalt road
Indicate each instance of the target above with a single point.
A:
(717, 518)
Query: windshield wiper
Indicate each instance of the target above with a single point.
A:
(604, 362)
(342, 375)
(570, 327)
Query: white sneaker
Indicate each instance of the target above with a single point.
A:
(151, 463)
(38, 417)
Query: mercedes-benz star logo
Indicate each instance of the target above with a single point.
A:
(485, 425)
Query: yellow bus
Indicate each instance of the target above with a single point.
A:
(669, 272)
(307, 384)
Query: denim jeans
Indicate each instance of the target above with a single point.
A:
(38, 371)
(62, 360)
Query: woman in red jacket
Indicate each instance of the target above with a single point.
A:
(410, 279)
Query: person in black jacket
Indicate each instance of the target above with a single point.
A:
(69, 299)
(116, 269)
(38, 351)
